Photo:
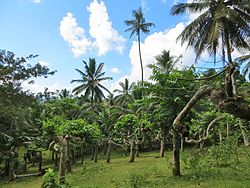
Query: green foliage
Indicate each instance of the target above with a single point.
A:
(80, 128)
(90, 81)
(127, 122)
(50, 180)
(53, 126)
(137, 179)
(19, 108)
(196, 162)
(224, 154)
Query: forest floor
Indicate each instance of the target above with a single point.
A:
(150, 171)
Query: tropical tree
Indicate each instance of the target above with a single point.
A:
(137, 25)
(90, 81)
(222, 20)
(245, 59)
(165, 62)
(124, 95)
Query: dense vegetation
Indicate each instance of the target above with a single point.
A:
(206, 112)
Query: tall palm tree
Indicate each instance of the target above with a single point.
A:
(220, 20)
(136, 26)
(165, 62)
(124, 95)
(90, 81)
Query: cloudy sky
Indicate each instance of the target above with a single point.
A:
(63, 33)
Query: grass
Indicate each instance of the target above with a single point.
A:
(146, 171)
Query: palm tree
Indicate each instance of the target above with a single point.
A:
(242, 60)
(165, 62)
(136, 26)
(90, 81)
(221, 20)
(125, 95)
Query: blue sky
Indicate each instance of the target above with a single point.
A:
(63, 33)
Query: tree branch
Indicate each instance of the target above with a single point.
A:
(211, 124)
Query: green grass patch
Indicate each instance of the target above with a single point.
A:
(149, 171)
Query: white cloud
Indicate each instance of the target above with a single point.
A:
(144, 5)
(43, 63)
(36, 1)
(115, 70)
(105, 36)
(115, 84)
(153, 46)
(74, 35)
(36, 87)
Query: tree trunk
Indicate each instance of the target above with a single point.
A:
(53, 155)
(56, 159)
(182, 144)
(68, 156)
(7, 167)
(62, 163)
(220, 137)
(92, 153)
(13, 163)
(176, 153)
(132, 151)
(230, 86)
(82, 156)
(227, 130)
(137, 148)
(73, 154)
(139, 45)
(40, 161)
(95, 153)
(109, 151)
(244, 134)
(162, 148)
(177, 123)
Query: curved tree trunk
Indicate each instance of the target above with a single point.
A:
(177, 123)
(233, 105)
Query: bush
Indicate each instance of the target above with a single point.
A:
(50, 180)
